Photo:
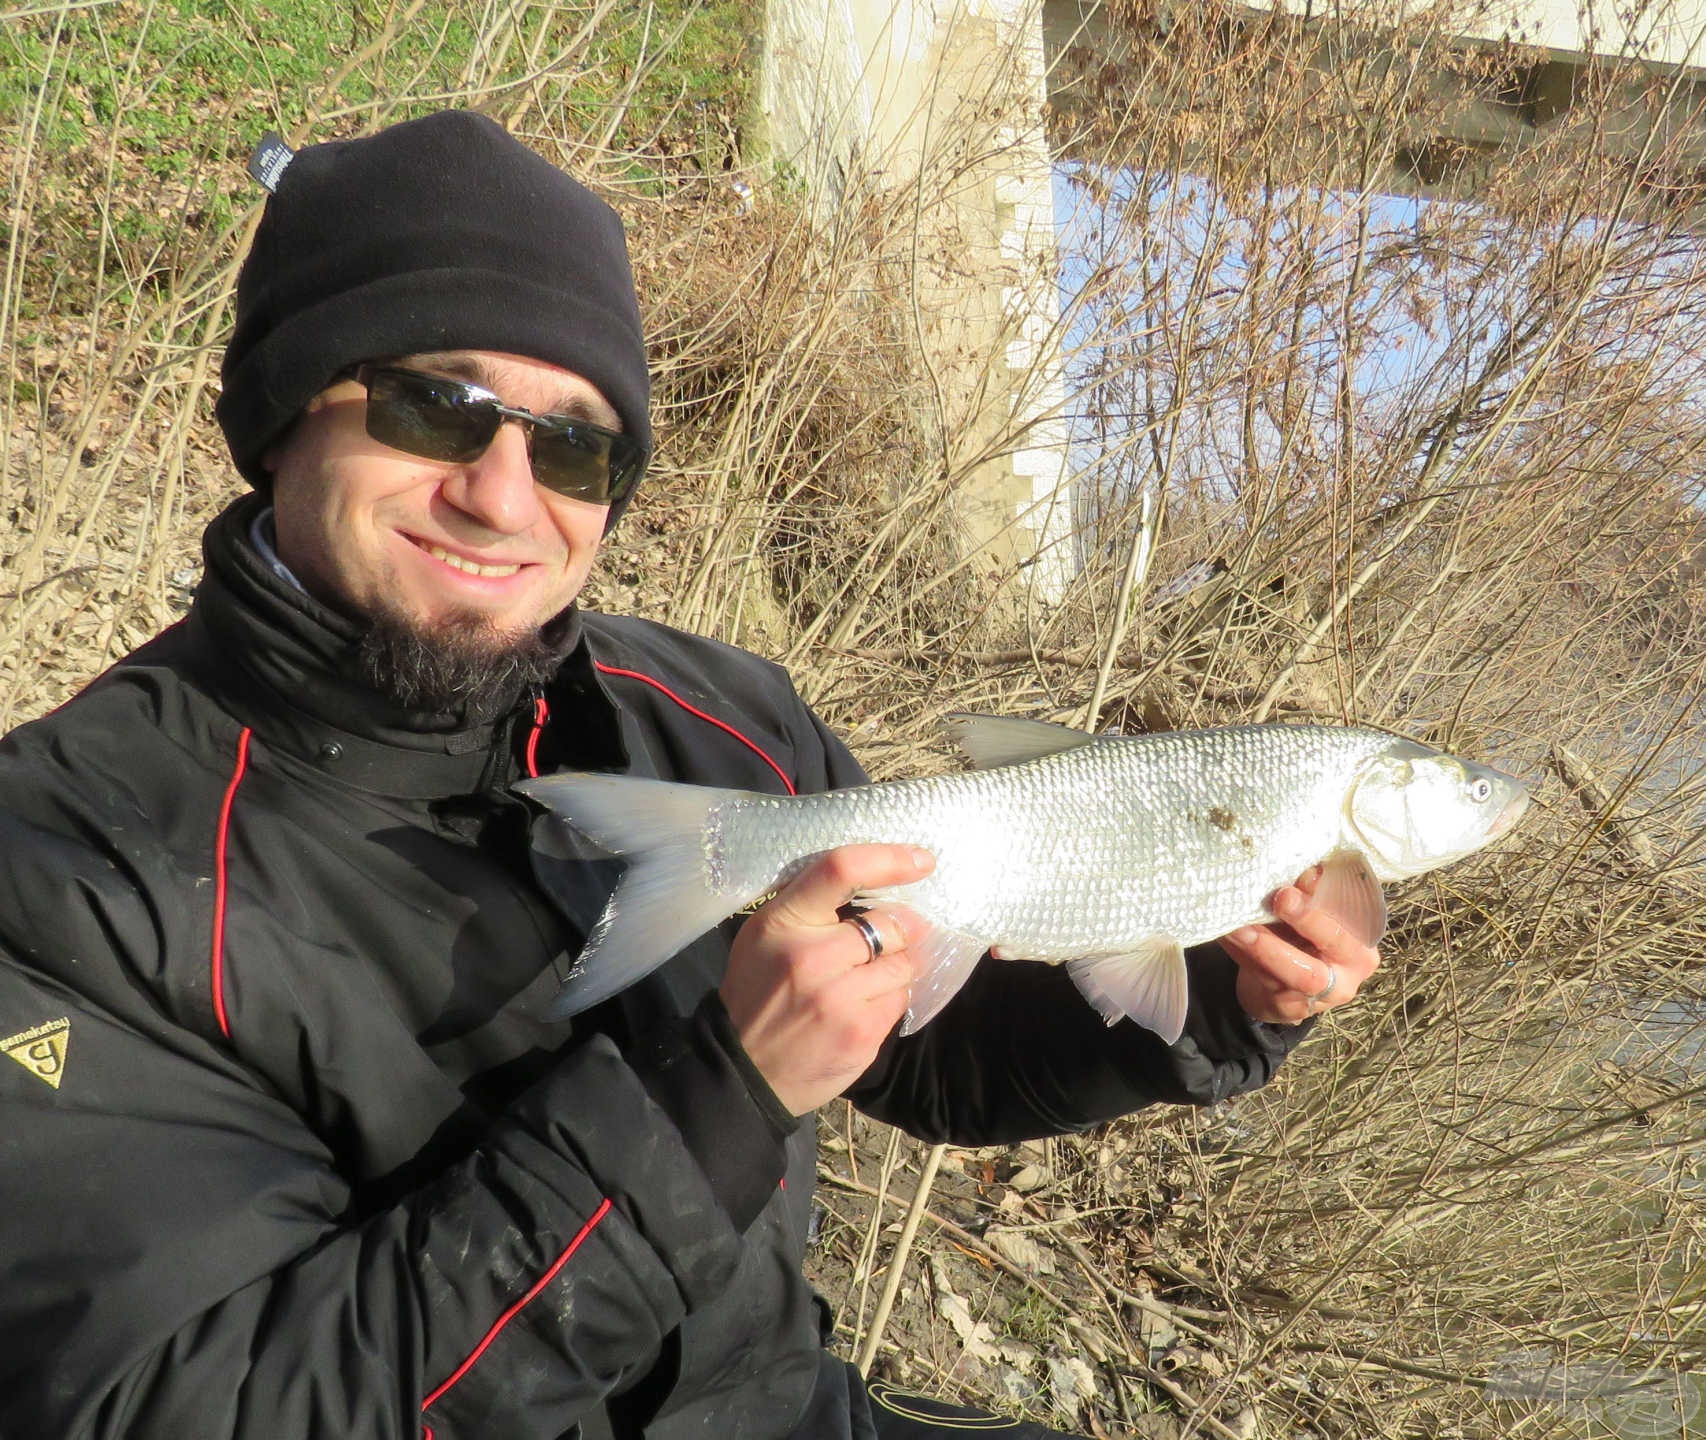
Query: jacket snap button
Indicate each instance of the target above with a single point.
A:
(331, 751)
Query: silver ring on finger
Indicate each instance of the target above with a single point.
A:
(1327, 989)
(873, 937)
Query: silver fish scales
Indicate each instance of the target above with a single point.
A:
(1109, 854)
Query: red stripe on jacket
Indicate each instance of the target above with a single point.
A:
(219, 844)
(541, 715)
(515, 1309)
(727, 729)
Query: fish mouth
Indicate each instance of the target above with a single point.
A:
(1509, 816)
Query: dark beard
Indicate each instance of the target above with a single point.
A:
(460, 665)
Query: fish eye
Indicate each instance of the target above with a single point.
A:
(1481, 790)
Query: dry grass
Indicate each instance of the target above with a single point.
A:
(1440, 467)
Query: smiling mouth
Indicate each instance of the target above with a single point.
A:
(466, 566)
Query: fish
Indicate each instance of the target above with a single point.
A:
(1108, 854)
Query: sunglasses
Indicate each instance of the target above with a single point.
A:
(440, 419)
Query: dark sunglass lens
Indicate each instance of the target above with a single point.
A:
(574, 461)
(585, 462)
(421, 415)
(627, 465)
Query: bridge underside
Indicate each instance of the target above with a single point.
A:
(1470, 103)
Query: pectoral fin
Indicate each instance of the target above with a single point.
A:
(1348, 888)
(1149, 984)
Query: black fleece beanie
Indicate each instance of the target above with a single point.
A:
(444, 233)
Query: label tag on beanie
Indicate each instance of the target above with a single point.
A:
(269, 160)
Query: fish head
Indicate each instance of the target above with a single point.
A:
(1412, 808)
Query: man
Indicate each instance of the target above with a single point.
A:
(288, 1149)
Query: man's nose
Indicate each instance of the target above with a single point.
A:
(498, 489)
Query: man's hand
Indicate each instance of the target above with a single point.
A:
(1284, 969)
(809, 1000)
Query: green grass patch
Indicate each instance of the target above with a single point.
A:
(1032, 1320)
(140, 116)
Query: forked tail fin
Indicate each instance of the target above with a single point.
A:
(667, 897)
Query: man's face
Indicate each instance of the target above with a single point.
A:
(441, 547)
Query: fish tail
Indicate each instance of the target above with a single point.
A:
(668, 895)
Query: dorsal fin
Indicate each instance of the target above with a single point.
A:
(992, 740)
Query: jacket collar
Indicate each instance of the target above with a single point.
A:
(285, 665)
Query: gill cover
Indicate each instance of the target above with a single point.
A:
(1413, 808)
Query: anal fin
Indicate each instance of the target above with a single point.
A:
(945, 959)
(1148, 984)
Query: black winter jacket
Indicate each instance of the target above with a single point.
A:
(285, 1149)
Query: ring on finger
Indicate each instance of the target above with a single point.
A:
(872, 936)
(1328, 988)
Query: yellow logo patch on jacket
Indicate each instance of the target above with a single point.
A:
(41, 1049)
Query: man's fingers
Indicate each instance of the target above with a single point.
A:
(1323, 929)
(1285, 964)
(1262, 999)
(1307, 951)
(896, 927)
(877, 978)
(812, 992)
(814, 895)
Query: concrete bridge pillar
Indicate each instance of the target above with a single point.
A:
(946, 97)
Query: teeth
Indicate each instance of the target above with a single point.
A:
(456, 562)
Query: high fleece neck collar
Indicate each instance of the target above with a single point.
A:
(288, 666)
